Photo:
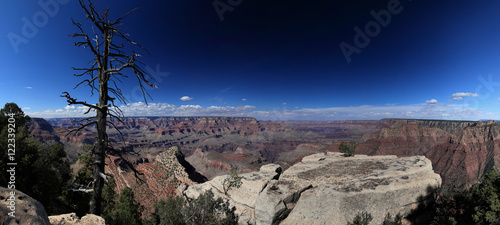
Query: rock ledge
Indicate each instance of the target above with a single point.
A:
(329, 189)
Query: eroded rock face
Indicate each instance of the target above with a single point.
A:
(332, 189)
(27, 210)
(72, 219)
(329, 189)
(163, 176)
(461, 151)
(244, 197)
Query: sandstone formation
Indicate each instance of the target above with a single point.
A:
(28, 211)
(161, 177)
(244, 197)
(461, 151)
(72, 219)
(329, 189)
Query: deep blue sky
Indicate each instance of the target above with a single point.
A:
(269, 59)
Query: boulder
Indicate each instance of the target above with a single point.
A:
(72, 219)
(27, 210)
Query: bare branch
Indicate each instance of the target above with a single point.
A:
(73, 101)
(129, 165)
(82, 190)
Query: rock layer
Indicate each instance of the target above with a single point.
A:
(329, 189)
(460, 151)
(161, 176)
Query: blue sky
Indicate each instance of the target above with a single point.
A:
(279, 60)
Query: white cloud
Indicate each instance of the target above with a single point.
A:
(186, 98)
(28, 87)
(284, 103)
(428, 110)
(460, 96)
(244, 99)
(26, 108)
(432, 101)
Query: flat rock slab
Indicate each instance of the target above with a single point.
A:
(332, 189)
(328, 189)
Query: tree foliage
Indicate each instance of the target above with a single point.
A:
(478, 205)
(485, 198)
(124, 211)
(204, 210)
(363, 218)
(347, 148)
(233, 180)
(42, 170)
(388, 220)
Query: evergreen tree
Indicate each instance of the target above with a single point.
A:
(125, 211)
(485, 198)
(42, 171)
(347, 148)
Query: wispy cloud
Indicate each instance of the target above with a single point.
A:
(244, 99)
(186, 98)
(459, 96)
(28, 87)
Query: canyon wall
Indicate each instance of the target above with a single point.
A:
(460, 151)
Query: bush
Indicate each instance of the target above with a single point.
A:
(125, 211)
(232, 181)
(389, 221)
(203, 210)
(478, 205)
(363, 218)
(347, 148)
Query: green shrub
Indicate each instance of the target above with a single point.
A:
(125, 211)
(388, 220)
(203, 210)
(232, 181)
(347, 148)
(362, 218)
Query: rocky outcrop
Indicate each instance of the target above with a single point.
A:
(244, 197)
(72, 219)
(22, 208)
(329, 189)
(19, 208)
(161, 176)
(461, 151)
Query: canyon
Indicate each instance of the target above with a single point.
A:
(204, 148)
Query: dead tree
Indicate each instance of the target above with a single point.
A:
(108, 46)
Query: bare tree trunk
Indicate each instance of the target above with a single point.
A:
(102, 139)
(109, 61)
